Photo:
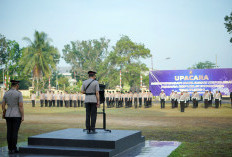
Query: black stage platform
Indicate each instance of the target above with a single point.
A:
(75, 142)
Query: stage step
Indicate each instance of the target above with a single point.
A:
(75, 142)
(66, 151)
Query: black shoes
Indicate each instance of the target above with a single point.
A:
(94, 132)
(91, 131)
(13, 151)
(88, 131)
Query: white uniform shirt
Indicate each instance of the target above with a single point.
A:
(53, 96)
(217, 96)
(111, 96)
(196, 96)
(122, 96)
(49, 96)
(177, 96)
(33, 96)
(172, 95)
(206, 96)
(162, 96)
(116, 96)
(135, 95)
(56, 96)
(74, 97)
(187, 96)
(61, 96)
(41, 96)
(66, 97)
(130, 95)
(182, 98)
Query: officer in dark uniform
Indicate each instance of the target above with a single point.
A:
(90, 88)
(14, 114)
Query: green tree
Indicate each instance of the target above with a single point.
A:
(127, 55)
(203, 65)
(10, 54)
(146, 80)
(87, 55)
(3, 50)
(94, 55)
(63, 82)
(228, 24)
(75, 88)
(40, 57)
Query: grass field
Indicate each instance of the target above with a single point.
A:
(203, 132)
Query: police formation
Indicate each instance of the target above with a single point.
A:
(129, 99)
(59, 99)
(184, 98)
(113, 99)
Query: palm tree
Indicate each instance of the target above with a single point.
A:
(39, 58)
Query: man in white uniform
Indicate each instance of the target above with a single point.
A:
(217, 98)
(206, 98)
(172, 98)
(162, 99)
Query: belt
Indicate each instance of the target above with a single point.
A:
(90, 93)
(13, 106)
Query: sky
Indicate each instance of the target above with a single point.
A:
(186, 31)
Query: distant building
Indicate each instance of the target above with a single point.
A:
(65, 71)
(67, 75)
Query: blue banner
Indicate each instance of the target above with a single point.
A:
(191, 80)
